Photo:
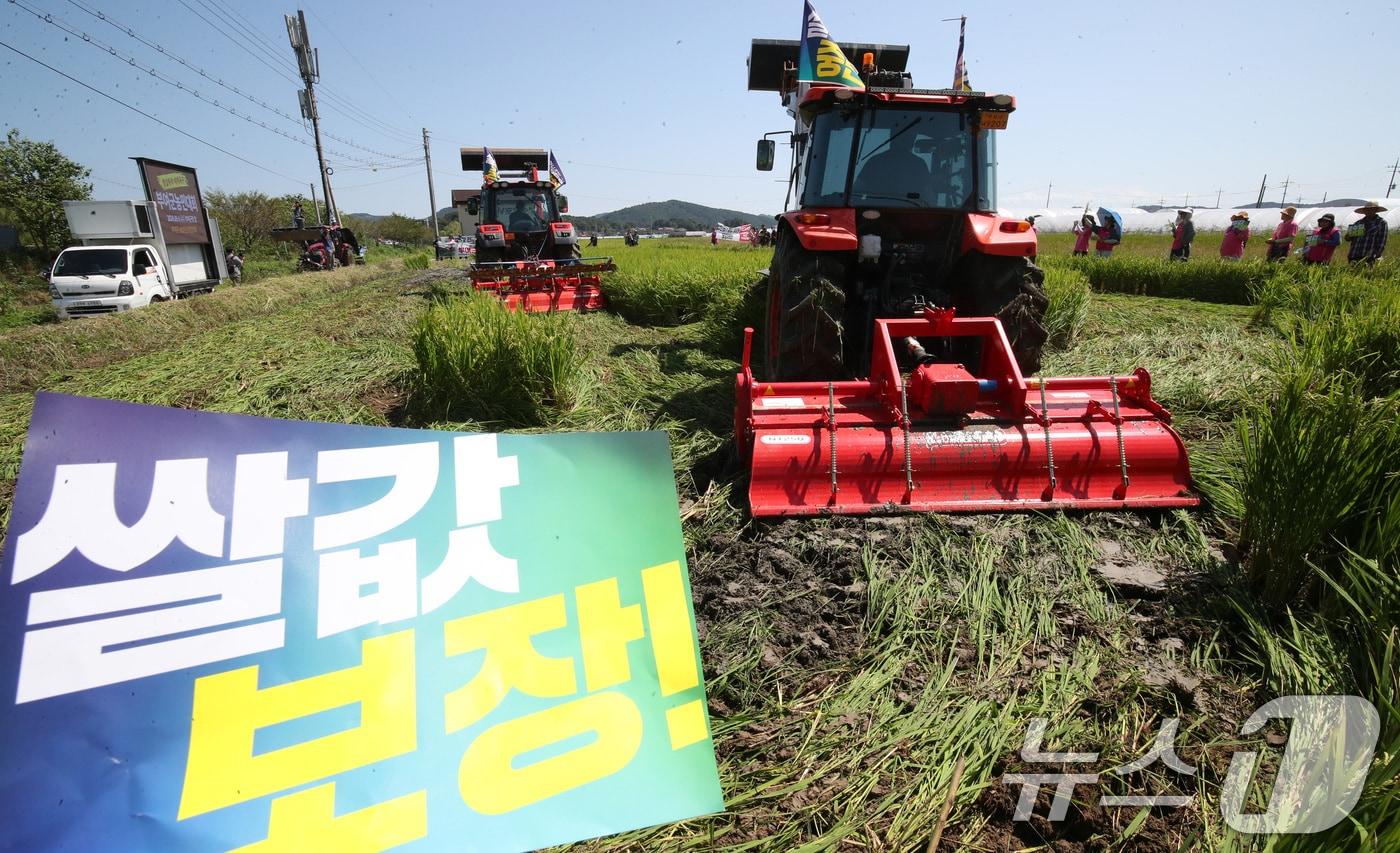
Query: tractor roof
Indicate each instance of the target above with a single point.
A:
(506, 158)
(957, 99)
(768, 56)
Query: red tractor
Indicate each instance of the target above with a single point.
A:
(892, 194)
(527, 253)
(875, 395)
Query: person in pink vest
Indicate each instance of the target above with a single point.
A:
(1324, 240)
(1236, 237)
(1083, 230)
(1282, 242)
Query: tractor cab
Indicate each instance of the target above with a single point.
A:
(893, 153)
(521, 214)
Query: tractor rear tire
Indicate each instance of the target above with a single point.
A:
(1011, 289)
(804, 338)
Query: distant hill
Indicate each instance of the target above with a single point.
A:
(672, 213)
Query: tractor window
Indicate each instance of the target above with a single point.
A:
(987, 160)
(910, 158)
(905, 158)
(831, 155)
(522, 208)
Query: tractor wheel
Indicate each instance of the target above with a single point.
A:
(804, 337)
(1011, 289)
(564, 253)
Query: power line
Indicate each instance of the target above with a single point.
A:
(350, 53)
(129, 31)
(148, 115)
(245, 29)
(131, 60)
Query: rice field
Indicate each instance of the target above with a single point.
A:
(856, 667)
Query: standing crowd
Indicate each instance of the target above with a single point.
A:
(1367, 237)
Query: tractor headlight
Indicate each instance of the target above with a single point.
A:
(125, 289)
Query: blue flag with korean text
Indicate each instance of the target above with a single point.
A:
(262, 635)
(821, 60)
(556, 172)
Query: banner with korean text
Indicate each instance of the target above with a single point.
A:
(223, 632)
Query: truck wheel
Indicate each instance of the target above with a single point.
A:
(804, 338)
(1011, 289)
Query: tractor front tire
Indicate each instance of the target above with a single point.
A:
(1011, 289)
(804, 338)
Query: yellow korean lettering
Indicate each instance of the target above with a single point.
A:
(511, 659)
(491, 784)
(306, 821)
(668, 618)
(229, 708)
(605, 628)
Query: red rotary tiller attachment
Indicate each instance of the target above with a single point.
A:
(946, 439)
(536, 286)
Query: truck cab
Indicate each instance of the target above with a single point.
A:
(88, 280)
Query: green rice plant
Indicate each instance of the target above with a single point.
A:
(1068, 290)
(417, 262)
(479, 362)
(1204, 280)
(1313, 466)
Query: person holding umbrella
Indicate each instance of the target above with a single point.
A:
(1367, 235)
(1109, 233)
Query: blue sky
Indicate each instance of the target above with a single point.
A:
(644, 101)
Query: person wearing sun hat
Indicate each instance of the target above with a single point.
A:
(1323, 241)
(1282, 241)
(1236, 237)
(1367, 235)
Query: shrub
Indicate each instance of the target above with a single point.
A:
(478, 361)
(1068, 290)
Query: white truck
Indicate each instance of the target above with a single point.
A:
(122, 261)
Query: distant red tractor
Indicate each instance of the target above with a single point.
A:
(527, 253)
(892, 194)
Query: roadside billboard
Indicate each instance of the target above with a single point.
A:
(175, 191)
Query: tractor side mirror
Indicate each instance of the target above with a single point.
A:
(473, 206)
(563, 204)
(766, 148)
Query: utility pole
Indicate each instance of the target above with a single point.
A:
(432, 199)
(1047, 194)
(1395, 167)
(309, 63)
(1218, 194)
(314, 205)
(1284, 200)
(1187, 205)
(1324, 200)
(1260, 203)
